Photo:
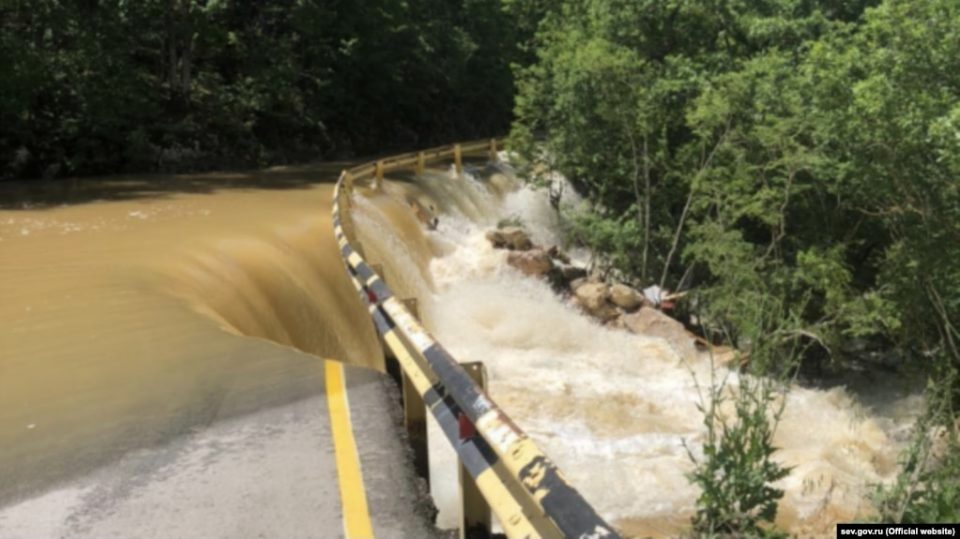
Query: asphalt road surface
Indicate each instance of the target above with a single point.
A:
(273, 473)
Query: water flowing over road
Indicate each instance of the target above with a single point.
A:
(142, 313)
(612, 408)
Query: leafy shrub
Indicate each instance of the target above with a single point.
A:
(927, 490)
(736, 472)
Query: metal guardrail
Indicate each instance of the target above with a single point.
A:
(502, 469)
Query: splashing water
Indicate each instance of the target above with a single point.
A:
(127, 321)
(613, 409)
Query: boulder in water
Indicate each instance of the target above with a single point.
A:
(534, 263)
(650, 321)
(558, 255)
(572, 274)
(625, 297)
(593, 298)
(592, 295)
(511, 237)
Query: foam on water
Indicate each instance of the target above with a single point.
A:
(613, 409)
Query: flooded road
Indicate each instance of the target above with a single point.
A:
(137, 311)
(127, 317)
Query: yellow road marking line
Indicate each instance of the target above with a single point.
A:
(353, 497)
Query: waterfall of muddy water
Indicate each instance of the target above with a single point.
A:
(128, 306)
(611, 408)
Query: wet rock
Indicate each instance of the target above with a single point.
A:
(577, 283)
(649, 321)
(496, 238)
(426, 213)
(940, 442)
(593, 298)
(625, 297)
(534, 263)
(562, 276)
(558, 255)
(607, 313)
(558, 283)
(572, 274)
(592, 295)
(511, 237)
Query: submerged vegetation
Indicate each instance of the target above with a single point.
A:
(794, 163)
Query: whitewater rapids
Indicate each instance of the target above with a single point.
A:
(613, 409)
(139, 309)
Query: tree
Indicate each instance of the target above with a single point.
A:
(794, 162)
(107, 85)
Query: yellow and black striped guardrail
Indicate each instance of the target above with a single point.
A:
(505, 470)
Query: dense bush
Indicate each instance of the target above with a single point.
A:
(928, 488)
(777, 152)
(794, 161)
(736, 472)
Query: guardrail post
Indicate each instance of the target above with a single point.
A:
(493, 150)
(378, 176)
(421, 162)
(415, 415)
(348, 184)
(474, 509)
(520, 480)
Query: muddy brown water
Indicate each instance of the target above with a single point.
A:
(135, 309)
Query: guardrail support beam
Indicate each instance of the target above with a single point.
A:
(474, 509)
(415, 415)
(415, 420)
(493, 150)
(528, 492)
(378, 176)
(348, 184)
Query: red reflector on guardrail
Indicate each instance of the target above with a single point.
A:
(467, 430)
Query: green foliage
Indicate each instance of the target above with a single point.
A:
(928, 486)
(111, 85)
(736, 472)
(512, 221)
(795, 162)
(795, 155)
(618, 237)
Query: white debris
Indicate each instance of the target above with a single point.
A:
(654, 294)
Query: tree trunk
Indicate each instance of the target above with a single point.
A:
(180, 48)
(646, 203)
(642, 201)
(186, 64)
(686, 207)
(172, 71)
